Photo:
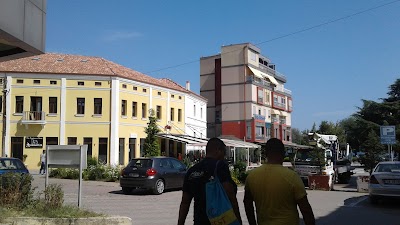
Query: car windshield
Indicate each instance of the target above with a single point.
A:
(141, 163)
(11, 164)
(387, 167)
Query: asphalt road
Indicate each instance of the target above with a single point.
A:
(343, 206)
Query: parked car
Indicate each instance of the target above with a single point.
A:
(384, 181)
(156, 174)
(13, 165)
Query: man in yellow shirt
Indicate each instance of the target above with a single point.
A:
(276, 191)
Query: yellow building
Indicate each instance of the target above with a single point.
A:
(69, 99)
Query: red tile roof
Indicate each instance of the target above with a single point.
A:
(52, 63)
(177, 86)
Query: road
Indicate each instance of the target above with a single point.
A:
(343, 206)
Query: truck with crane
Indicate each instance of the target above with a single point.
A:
(336, 163)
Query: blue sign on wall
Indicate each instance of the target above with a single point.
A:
(388, 135)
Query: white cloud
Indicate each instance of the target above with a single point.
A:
(121, 35)
(334, 113)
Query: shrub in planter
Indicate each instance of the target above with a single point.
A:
(240, 166)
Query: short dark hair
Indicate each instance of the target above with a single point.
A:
(274, 146)
(215, 144)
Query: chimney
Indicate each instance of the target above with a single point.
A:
(188, 85)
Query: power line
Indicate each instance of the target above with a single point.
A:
(287, 35)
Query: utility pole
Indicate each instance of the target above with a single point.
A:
(4, 101)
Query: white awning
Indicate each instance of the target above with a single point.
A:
(276, 112)
(262, 75)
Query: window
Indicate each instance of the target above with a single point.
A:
(72, 140)
(180, 97)
(80, 104)
(36, 81)
(121, 151)
(159, 93)
(179, 115)
(123, 107)
(51, 140)
(124, 86)
(134, 109)
(172, 96)
(81, 83)
(194, 110)
(172, 114)
(52, 104)
(201, 112)
(134, 88)
(158, 112)
(103, 150)
(53, 82)
(20, 81)
(98, 106)
(260, 96)
(252, 56)
(144, 110)
(259, 111)
(144, 90)
(97, 83)
(19, 104)
(88, 141)
(194, 134)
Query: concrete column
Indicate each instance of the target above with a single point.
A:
(7, 138)
(63, 109)
(114, 135)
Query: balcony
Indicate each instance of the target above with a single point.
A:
(274, 120)
(283, 90)
(34, 117)
(280, 105)
(282, 121)
(258, 81)
(273, 72)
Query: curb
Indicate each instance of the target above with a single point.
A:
(67, 221)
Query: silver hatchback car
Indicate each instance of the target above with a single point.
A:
(384, 181)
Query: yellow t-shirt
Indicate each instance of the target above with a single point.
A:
(275, 190)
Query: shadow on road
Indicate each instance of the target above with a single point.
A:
(358, 210)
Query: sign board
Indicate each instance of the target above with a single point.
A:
(388, 135)
(34, 142)
(67, 156)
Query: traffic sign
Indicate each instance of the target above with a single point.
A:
(388, 135)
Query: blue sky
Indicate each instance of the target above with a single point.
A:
(329, 69)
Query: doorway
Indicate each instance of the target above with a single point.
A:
(17, 147)
(36, 108)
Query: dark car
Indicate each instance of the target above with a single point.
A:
(156, 174)
(13, 165)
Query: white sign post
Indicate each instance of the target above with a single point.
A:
(67, 156)
(388, 136)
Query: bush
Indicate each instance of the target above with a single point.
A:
(15, 190)
(241, 166)
(235, 175)
(53, 196)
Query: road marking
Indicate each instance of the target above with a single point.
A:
(359, 201)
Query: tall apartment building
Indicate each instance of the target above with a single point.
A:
(246, 95)
(69, 99)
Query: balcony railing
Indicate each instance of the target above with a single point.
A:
(282, 121)
(272, 72)
(34, 117)
(279, 104)
(274, 120)
(251, 79)
(283, 90)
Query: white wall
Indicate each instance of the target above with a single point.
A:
(195, 125)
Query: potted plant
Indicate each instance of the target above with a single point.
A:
(319, 180)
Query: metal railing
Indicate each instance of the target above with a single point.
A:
(33, 116)
(283, 90)
(280, 105)
(258, 81)
(272, 72)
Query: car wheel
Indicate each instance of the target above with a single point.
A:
(127, 190)
(159, 187)
(373, 199)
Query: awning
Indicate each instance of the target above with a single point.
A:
(177, 138)
(262, 75)
(275, 111)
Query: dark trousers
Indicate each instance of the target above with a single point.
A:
(42, 167)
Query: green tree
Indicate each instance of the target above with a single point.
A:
(151, 146)
(373, 149)
(296, 136)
